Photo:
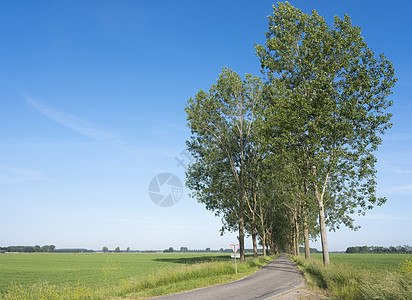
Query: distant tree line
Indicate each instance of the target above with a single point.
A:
(37, 248)
(311, 250)
(73, 250)
(116, 250)
(45, 248)
(379, 249)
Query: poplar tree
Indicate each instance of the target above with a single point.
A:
(327, 93)
(222, 123)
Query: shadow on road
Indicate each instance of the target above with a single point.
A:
(200, 259)
(195, 260)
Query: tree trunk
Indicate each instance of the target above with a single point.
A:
(306, 235)
(323, 233)
(255, 254)
(319, 198)
(264, 242)
(268, 239)
(241, 233)
(297, 236)
(263, 236)
(271, 247)
(292, 243)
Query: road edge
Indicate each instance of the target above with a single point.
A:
(230, 282)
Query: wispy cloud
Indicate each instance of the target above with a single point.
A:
(73, 122)
(387, 217)
(397, 190)
(402, 188)
(401, 136)
(402, 171)
(19, 175)
(93, 131)
(77, 124)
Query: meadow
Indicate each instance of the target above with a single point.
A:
(389, 262)
(101, 276)
(359, 276)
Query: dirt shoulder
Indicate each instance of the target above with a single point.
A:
(300, 293)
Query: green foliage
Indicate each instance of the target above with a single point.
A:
(222, 144)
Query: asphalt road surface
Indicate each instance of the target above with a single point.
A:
(274, 278)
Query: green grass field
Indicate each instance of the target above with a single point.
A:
(359, 276)
(389, 262)
(99, 275)
(93, 269)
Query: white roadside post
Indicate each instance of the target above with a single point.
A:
(235, 247)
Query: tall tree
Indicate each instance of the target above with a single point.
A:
(329, 94)
(221, 123)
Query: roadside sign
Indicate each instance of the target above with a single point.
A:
(234, 247)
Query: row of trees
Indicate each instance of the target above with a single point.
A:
(73, 250)
(379, 249)
(37, 248)
(116, 250)
(283, 157)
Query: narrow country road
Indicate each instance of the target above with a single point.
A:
(274, 278)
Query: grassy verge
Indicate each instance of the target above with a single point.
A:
(165, 281)
(343, 281)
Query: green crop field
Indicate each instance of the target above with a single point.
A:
(390, 262)
(93, 269)
(98, 275)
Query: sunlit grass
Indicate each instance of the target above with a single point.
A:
(358, 276)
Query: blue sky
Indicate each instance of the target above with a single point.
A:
(91, 109)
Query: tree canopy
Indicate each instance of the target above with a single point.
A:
(273, 154)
